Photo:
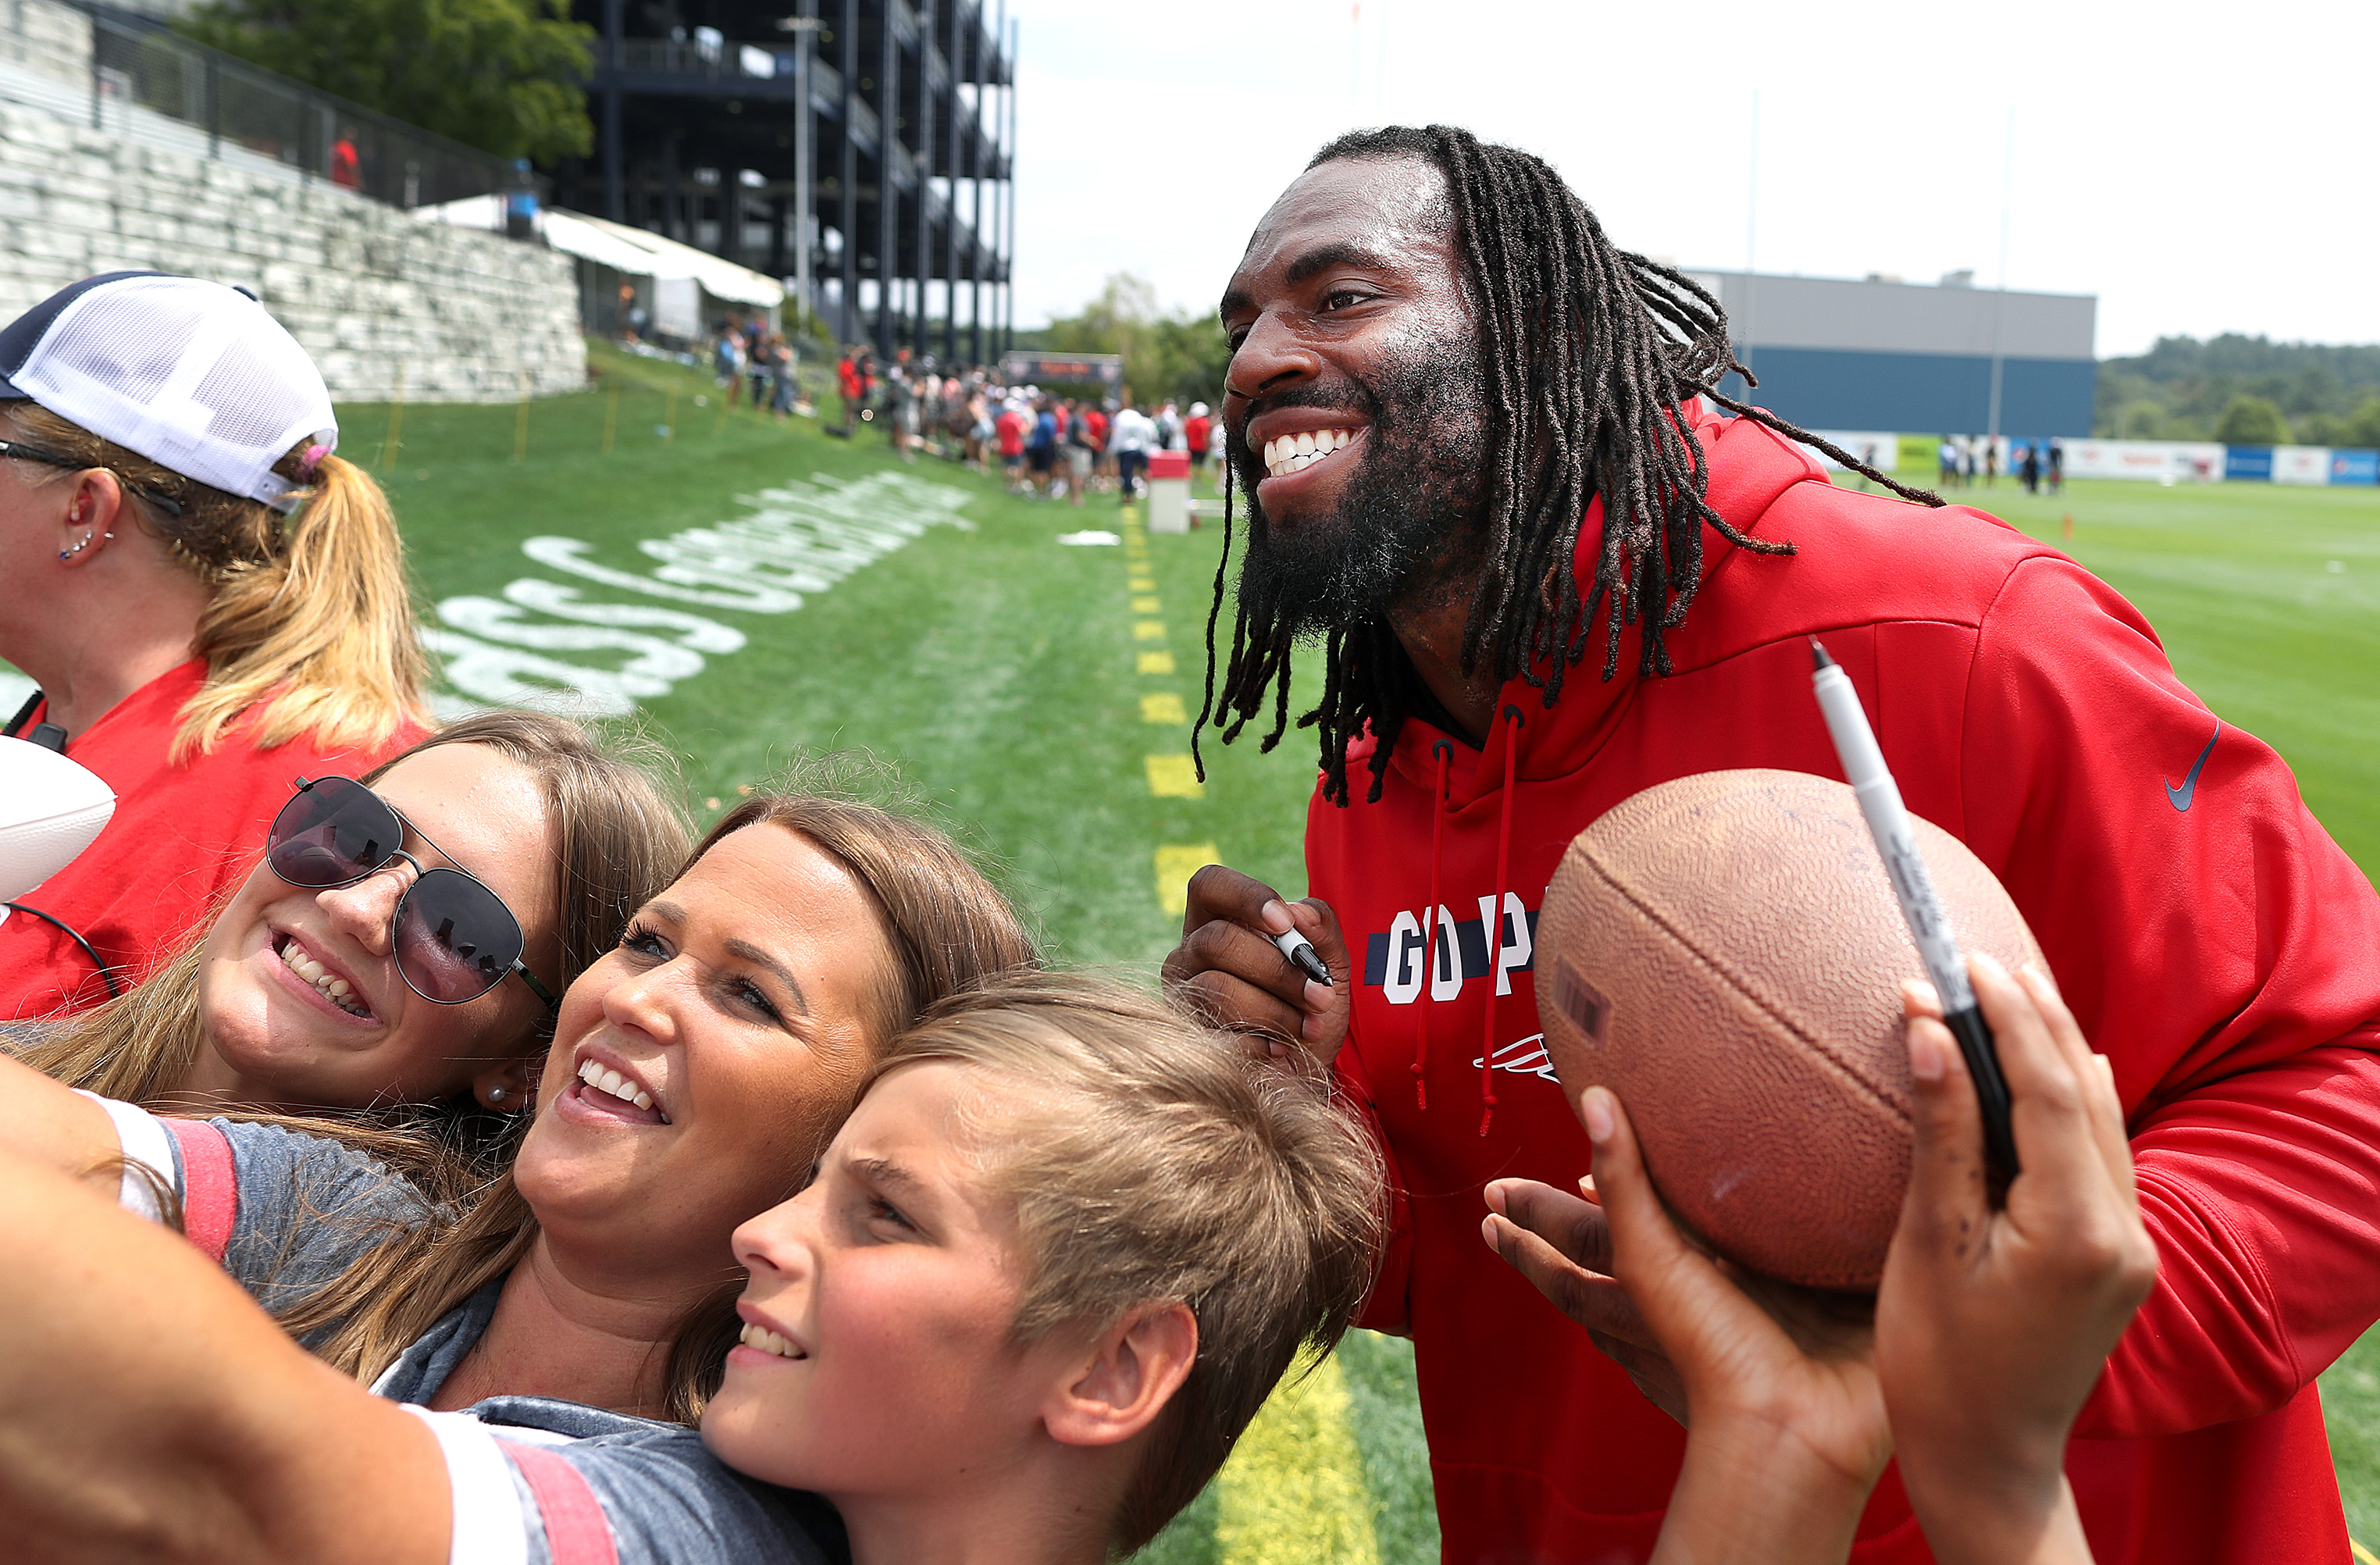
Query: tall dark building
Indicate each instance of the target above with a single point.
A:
(892, 121)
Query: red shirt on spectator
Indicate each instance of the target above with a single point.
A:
(183, 834)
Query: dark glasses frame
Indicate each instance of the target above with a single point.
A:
(21, 452)
(422, 875)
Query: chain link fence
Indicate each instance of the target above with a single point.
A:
(139, 69)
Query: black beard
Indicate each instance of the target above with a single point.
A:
(1407, 522)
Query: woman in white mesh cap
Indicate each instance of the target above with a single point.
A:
(210, 602)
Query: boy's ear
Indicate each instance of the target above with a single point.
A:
(1135, 1366)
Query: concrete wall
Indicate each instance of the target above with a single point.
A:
(368, 289)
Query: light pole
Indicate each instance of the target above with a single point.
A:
(805, 28)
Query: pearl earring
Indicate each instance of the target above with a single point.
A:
(495, 1095)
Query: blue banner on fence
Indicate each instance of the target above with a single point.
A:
(2249, 462)
(2355, 466)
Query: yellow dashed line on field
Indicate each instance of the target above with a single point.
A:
(1163, 707)
(1149, 630)
(1174, 777)
(2362, 1554)
(1174, 866)
(1293, 1492)
(1157, 662)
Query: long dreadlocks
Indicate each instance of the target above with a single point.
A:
(1589, 352)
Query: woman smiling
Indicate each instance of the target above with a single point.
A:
(743, 1005)
(352, 968)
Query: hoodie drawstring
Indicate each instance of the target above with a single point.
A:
(1512, 722)
(1432, 937)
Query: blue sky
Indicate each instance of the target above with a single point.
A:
(2200, 168)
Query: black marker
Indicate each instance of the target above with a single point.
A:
(1887, 823)
(1303, 956)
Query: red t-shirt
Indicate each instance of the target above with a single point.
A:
(1010, 425)
(2215, 944)
(1098, 422)
(1195, 429)
(180, 838)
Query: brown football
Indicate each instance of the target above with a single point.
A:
(1725, 954)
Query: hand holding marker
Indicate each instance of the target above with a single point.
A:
(1887, 823)
(1303, 956)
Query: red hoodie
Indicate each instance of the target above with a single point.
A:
(2212, 938)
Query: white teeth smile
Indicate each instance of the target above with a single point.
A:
(1292, 454)
(767, 1341)
(612, 1082)
(298, 960)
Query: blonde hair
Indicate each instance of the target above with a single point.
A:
(1149, 1161)
(948, 929)
(311, 623)
(617, 837)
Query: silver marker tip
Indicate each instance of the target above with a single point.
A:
(1818, 659)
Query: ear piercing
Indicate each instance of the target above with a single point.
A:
(71, 553)
(495, 1094)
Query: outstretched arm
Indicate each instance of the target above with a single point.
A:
(149, 1410)
(54, 1125)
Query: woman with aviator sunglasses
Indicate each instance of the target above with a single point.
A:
(697, 1072)
(403, 939)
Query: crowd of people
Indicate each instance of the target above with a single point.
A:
(758, 365)
(2037, 464)
(554, 1185)
(1046, 444)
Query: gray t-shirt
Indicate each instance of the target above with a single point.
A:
(284, 1212)
(534, 1482)
(551, 1482)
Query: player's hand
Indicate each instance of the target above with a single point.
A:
(1992, 1325)
(1563, 1245)
(1787, 1428)
(1236, 978)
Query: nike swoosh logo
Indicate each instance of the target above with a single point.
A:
(2180, 797)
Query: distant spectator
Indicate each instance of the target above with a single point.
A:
(980, 428)
(2056, 464)
(1991, 461)
(347, 167)
(727, 358)
(2030, 466)
(1081, 453)
(1169, 429)
(1011, 425)
(852, 385)
(1199, 430)
(1102, 468)
(1129, 442)
(1946, 459)
(1041, 450)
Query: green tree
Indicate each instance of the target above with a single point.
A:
(505, 76)
(1180, 356)
(2362, 426)
(2252, 421)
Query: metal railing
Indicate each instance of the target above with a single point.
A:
(141, 67)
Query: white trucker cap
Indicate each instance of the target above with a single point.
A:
(193, 375)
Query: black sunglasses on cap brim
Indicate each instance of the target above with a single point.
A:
(455, 939)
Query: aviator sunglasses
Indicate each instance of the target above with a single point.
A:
(455, 939)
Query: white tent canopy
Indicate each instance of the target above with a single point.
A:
(633, 251)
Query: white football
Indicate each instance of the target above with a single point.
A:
(50, 809)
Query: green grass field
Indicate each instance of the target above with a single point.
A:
(1038, 695)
